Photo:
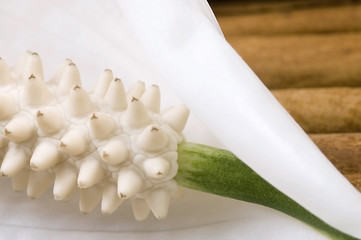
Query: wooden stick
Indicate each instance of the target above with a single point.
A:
(288, 17)
(344, 151)
(323, 110)
(303, 60)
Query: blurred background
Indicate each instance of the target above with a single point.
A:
(309, 54)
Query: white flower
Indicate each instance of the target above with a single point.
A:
(175, 43)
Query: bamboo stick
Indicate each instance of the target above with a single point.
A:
(288, 17)
(303, 60)
(323, 110)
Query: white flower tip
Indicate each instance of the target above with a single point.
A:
(115, 152)
(136, 114)
(136, 91)
(102, 85)
(90, 172)
(115, 97)
(79, 102)
(74, 143)
(20, 180)
(36, 91)
(156, 168)
(101, 125)
(140, 208)
(158, 201)
(14, 161)
(49, 120)
(129, 183)
(33, 66)
(45, 156)
(89, 199)
(38, 183)
(19, 129)
(151, 98)
(177, 117)
(65, 181)
(153, 138)
(8, 107)
(69, 77)
(110, 199)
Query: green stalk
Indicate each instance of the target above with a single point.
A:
(219, 172)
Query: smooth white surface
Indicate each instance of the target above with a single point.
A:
(95, 35)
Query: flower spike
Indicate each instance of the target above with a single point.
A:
(177, 117)
(136, 114)
(102, 85)
(101, 125)
(33, 66)
(90, 173)
(110, 199)
(19, 129)
(69, 78)
(136, 91)
(151, 98)
(115, 96)
(14, 161)
(65, 181)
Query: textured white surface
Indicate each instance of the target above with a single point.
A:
(95, 35)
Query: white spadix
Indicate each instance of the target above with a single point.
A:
(156, 168)
(140, 208)
(35, 92)
(38, 183)
(177, 117)
(79, 102)
(136, 114)
(33, 66)
(19, 129)
(115, 96)
(60, 70)
(8, 106)
(227, 96)
(158, 201)
(69, 78)
(14, 161)
(110, 199)
(136, 91)
(152, 138)
(115, 152)
(20, 180)
(101, 125)
(129, 182)
(151, 98)
(89, 199)
(103, 83)
(91, 172)
(65, 181)
(45, 155)
(49, 120)
(74, 142)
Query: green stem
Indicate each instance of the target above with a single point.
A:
(220, 172)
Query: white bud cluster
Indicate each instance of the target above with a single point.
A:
(109, 145)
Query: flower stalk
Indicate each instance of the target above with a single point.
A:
(219, 172)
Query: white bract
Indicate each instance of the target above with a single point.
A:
(110, 145)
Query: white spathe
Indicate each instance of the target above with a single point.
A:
(96, 36)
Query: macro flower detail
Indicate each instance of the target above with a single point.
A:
(107, 144)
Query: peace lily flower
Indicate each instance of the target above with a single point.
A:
(180, 42)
